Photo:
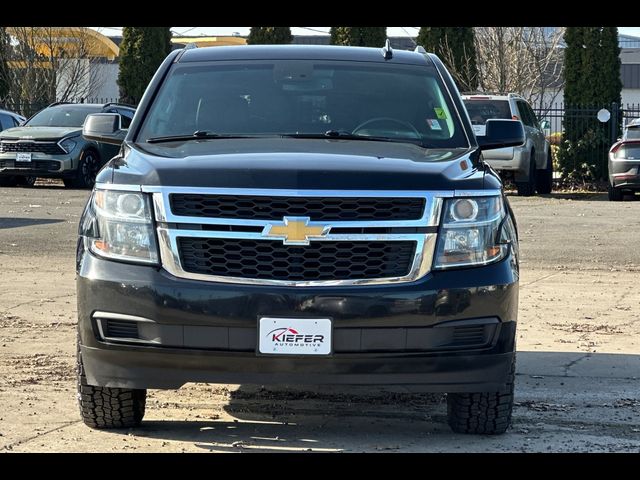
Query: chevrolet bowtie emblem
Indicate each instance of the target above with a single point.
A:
(295, 230)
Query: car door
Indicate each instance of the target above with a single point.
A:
(532, 130)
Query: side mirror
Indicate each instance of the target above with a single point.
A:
(502, 133)
(104, 127)
(544, 124)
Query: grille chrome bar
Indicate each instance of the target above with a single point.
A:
(423, 255)
(429, 218)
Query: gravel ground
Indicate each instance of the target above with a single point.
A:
(578, 363)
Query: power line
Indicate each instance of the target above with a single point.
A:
(313, 30)
(410, 37)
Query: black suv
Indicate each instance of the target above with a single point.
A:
(50, 144)
(299, 214)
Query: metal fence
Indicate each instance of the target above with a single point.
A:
(591, 139)
(29, 108)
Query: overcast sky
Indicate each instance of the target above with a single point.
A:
(391, 31)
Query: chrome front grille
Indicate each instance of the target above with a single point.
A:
(232, 235)
(29, 146)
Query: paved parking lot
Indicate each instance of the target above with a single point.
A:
(578, 361)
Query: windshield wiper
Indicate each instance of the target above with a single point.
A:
(345, 135)
(197, 135)
(342, 134)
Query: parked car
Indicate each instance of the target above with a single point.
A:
(50, 144)
(10, 119)
(531, 165)
(268, 220)
(624, 163)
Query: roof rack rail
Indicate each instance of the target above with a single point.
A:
(58, 103)
(500, 94)
(118, 103)
(190, 45)
(420, 49)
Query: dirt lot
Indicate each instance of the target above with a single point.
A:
(578, 361)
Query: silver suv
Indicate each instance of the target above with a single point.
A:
(530, 165)
(624, 163)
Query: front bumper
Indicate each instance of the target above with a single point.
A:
(624, 174)
(383, 335)
(41, 165)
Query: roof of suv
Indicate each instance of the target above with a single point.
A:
(489, 96)
(89, 106)
(307, 52)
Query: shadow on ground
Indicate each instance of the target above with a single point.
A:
(9, 222)
(556, 393)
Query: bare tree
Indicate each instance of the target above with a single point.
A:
(50, 64)
(523, 60)
(463, 69)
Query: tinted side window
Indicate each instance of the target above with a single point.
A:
(127, 116)
(536, 122)
(525, 114)
(5, 121)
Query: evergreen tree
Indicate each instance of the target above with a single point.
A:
(592, 81)
(455, 46)
(359, 36)
(269, 36)
(141, 52)
(610, 66)
(5, 48)
(574, 41)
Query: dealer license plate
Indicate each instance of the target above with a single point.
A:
(294, 336)
(23, 157)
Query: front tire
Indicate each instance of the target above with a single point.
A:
(544, 177)
(88, 168)
(104, 407)
(528, 187)
(485, 413)
(615, 194)
(8, 181)
(27, 181)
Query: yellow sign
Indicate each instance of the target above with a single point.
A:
(295, 231)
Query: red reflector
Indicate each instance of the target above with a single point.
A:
(515, 117)
(479, 98)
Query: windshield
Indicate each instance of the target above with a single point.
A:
(404, 103)
(633, 133)
(482, 110)
(63, 116)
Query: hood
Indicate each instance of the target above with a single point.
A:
(295, 164)
(39, 133)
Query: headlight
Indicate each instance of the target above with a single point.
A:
(122, 228)
(67, 145)
(475, 231)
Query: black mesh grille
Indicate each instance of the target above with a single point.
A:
(40, 165)
(318, 209)
(49, 148)
(272, 260)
